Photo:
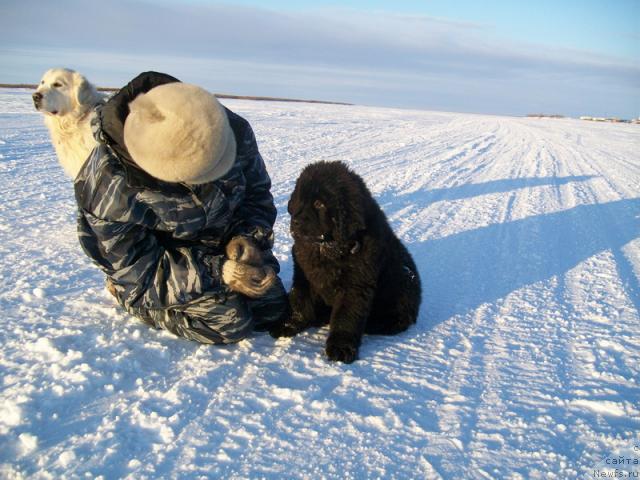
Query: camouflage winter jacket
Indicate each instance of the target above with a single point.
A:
(162, 243)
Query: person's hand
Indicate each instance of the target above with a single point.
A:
(244, 271)
(249, 280)
(244, 250)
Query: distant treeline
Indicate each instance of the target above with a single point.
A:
(593, 119)
(219, 95)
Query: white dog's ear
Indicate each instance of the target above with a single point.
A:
(85, 92)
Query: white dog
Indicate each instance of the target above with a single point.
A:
(67, 100)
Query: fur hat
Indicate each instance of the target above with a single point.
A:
(178, 132)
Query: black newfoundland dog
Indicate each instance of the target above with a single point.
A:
(350, 270)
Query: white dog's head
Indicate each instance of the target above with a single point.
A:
(62, 92)
(67, 99)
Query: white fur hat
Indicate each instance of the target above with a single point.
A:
(178, 132)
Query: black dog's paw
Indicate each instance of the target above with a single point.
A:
(284, 330)
(276, 325)
(341, 349)
(292, 325)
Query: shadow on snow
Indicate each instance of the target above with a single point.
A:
(470, 190)
(464, 270)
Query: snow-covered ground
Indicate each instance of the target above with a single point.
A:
(525, 362)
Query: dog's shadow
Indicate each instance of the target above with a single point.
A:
(465, 270)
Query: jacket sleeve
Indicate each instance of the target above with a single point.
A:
(257, 214)
(120, 232)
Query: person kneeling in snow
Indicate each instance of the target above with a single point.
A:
(175, 207)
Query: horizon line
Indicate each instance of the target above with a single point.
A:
(33, 86)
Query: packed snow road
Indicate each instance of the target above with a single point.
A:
(525, 362)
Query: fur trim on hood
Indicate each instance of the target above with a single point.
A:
(178, 132)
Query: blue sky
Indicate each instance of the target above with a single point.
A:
(569, 57)
(606, 26)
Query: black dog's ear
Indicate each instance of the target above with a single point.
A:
(294, 207)
(348, 221)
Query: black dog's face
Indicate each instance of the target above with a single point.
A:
(312, 217)
(327, 205)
